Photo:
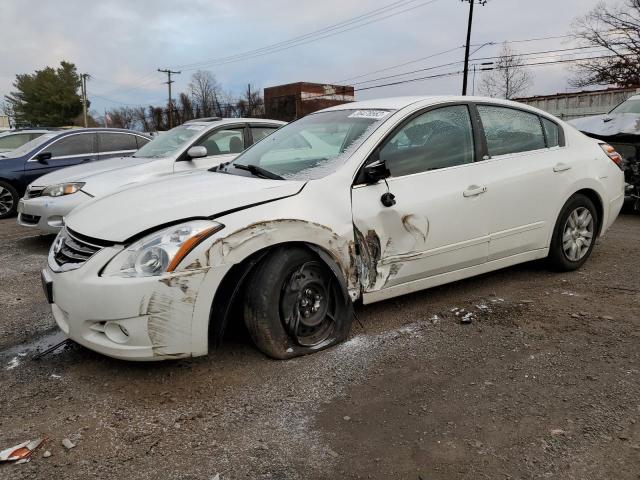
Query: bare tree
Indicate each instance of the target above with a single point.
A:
(509, 77)
(142, 119)
(205, 92)
(251, 104)
(123, 117)
(617, 30)
(185, 108)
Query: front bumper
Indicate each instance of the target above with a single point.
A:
(127, 318)
(47, 213)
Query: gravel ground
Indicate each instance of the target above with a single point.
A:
(544, 383)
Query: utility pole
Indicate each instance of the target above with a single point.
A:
(83, 87)
(465, 80)
(249, 98)
(169, 82)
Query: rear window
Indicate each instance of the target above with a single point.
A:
(117, 142)
(552, 131)
(511, 131)
(141, 141)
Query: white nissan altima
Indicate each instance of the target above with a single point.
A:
(364, 201)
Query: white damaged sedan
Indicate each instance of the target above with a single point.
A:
(364, 201)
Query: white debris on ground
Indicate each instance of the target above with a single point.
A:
(15, 361)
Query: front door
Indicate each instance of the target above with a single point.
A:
(67, 151)
(439, 221)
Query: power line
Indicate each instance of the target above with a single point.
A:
(291, 43)
(476, 59)
(450, 74)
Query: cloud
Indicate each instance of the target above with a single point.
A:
(121, 43)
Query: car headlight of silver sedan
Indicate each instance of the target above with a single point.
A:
(162, 251)
(62, 189)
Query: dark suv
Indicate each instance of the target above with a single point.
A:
(55, 150)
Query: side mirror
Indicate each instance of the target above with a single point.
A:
(197, 152)
(376, 171)
(42, 157)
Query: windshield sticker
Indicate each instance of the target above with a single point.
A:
(371, 114)
(196, 127)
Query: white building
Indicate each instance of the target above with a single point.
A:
(581, 104)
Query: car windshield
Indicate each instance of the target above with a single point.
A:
(311, 147)
(630, 106)
(27, 147)
(170, 143)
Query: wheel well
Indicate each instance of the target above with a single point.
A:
(227, 301)
(597, 202)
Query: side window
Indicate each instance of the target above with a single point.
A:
(259, 133)
(79, 144)
(10, 142)
(552, 131)
(510, 131)
(436, 139)
(222, 142)
(116, 142)
(141, 141)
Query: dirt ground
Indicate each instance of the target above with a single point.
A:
(543, 384)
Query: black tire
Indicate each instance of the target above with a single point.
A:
(561, 260)
(294, 305)
(8, 200)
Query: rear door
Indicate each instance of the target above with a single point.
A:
(525, 178)
(222, 144)
(65, 151)
(116, 144)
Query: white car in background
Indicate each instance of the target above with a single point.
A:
(197, 144)
(366, 200)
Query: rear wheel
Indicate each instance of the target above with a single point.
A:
(574, 235)
(294, 305)
(8, 200)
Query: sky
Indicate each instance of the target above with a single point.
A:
(122, 43)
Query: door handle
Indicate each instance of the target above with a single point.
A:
(561, 167)
(474, 191)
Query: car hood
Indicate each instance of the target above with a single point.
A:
(86, 172)
(121, 215)
(609, 125)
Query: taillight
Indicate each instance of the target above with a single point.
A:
(612, 154)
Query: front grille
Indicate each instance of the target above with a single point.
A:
(72, 251)
(34, 192)
(29, 219)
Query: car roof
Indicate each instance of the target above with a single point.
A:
(96, 130)
(26, 130)
(397, 103)
(213, 121)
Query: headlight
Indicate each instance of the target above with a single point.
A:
(161, 251)
(62, 189)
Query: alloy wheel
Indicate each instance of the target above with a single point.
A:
(578, 234)
(6, 201)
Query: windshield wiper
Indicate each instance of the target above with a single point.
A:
(258, 171)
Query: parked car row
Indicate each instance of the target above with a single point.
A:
(192, 146)
(159, 252)
(53, 150)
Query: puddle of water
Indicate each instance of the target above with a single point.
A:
(33, 346)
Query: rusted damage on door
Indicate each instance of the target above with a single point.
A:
(384, 252)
